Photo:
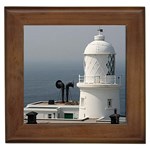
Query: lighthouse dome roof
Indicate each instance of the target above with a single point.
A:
(99, 46)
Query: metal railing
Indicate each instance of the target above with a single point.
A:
(108, 79)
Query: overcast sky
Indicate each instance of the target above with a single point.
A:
(63, 45)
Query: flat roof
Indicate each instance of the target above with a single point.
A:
(56, 104)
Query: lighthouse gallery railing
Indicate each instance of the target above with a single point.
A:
(108, 79)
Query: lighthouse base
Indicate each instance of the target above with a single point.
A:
(98, 102)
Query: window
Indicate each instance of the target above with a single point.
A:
(82, 102)
(111, 64)
(49, 115)
(109, 103)
(54, 115)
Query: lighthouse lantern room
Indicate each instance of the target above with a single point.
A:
(99, 87)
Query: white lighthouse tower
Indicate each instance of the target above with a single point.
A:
(99, 87)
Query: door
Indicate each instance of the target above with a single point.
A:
(68, 115)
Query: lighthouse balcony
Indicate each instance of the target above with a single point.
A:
(108, 79)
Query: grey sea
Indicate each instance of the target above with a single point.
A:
(39, 83)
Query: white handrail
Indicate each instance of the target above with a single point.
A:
(108, 79)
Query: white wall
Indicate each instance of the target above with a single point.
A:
(95, 102)
(75, 112)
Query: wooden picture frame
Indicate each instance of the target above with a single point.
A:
(131, 132)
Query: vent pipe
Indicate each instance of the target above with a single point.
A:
(70, 84)
(60, 85)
